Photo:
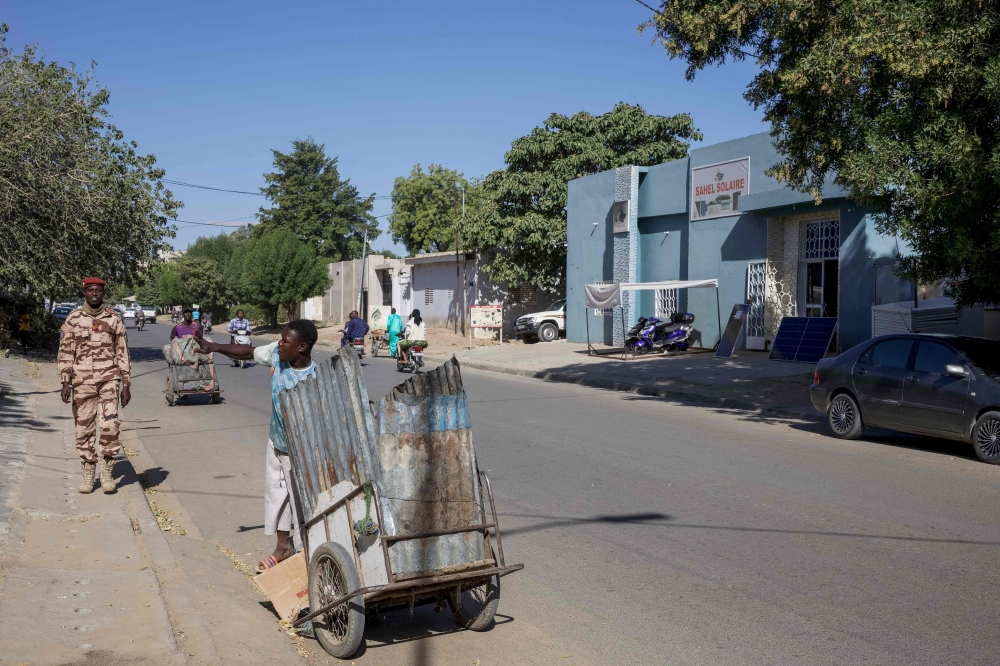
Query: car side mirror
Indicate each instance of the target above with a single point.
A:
(952, 370)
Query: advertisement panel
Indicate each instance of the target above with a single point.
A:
(716, 189)
(486, 316)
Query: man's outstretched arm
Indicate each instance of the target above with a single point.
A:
(236, 352)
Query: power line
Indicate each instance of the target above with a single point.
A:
(655, 11)
(255, 194)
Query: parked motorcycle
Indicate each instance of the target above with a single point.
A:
(359, 346)
(656, 335)
(240, 337)
(414, 359)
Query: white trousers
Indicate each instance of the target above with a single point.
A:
(280, 495)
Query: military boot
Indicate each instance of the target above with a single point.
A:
(107, 479)
(88, 478)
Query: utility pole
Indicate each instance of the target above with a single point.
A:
(465, 272)
(458, 271)
(361, 286)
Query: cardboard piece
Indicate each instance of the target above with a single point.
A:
(287, 586)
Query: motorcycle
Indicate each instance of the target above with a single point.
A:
(414, 360)
(140, 322)
(656, 335)
(240, 337)
(206, 324)
(359, 346)
(379, 342)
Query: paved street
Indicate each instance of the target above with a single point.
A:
(651, 532)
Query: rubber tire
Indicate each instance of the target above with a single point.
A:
(216, 398)
(548, 332)
(355, 607)
(482, 620)
(374, 349)
(857, 428)
(992, 460)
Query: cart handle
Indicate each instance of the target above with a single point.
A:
(436, 533)
(496, 523)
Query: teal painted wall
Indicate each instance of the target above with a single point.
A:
(589, 252)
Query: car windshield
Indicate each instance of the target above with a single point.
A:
(558, 305)
(146, 307)
(984, 353)
(62, 311)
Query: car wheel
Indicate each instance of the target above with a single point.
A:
(986, 438)
(844, 417)
(548, 333)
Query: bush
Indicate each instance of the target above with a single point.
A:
(44, 327)
(254, 313)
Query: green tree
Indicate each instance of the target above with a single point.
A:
(76, 198)
(426, 206)
(218, 249)
(520, 218)
(170, 287)
(897, 99)
(276, 269)
(309, 198)
(203, 283)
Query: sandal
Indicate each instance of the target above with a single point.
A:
(266, 564)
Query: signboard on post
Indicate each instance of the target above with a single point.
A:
(486, 316)
(716, 188)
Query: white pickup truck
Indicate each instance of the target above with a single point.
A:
(546, 325)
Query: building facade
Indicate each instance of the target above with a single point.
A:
(715, 214)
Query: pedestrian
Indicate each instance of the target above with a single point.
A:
(94, 366)
(187, 326)
(290, 360)
(356, 328)
(25, 330)
(395, 326)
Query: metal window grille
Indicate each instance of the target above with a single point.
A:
(756, 295)
(387, 288)
(666, 303)
(428, 296)
(821, 239)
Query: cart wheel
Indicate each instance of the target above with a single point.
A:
(216, 398)
(332, 574)
(474, 608)
(169, 393)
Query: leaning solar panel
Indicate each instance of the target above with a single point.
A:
(786, 342)
(803, 339)
(816, 339)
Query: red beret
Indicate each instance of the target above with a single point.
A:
(88, 281)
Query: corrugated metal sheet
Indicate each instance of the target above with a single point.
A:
(330, 428)
(416, 447)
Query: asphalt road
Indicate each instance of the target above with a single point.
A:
(651, 532)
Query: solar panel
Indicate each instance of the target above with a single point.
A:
(732, 332)
(803, 339)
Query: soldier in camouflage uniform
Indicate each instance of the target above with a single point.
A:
(93, 362)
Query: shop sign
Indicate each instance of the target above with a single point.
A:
(716, 189)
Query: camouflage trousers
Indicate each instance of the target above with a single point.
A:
(95, 408)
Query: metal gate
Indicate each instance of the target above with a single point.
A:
(757, 312)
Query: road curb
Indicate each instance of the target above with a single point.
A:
(173, 582)
(786, 411)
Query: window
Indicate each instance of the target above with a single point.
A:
(520, 294)
(892, 353)
(386, 288)
(933, 356)
(428, 297)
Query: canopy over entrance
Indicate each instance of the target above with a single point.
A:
(609, 295)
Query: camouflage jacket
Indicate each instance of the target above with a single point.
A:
(93, 349)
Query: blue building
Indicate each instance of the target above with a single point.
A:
(715, 214)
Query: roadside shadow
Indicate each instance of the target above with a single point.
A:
(554, 522)
(145, 354)
(902, 440)
(15, 414)
(149, 478)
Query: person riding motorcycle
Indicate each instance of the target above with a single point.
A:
(239, 323)
(140, 316)
(416, 332)
(356, 327)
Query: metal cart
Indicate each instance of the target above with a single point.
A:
(174, 390)
(429, 531)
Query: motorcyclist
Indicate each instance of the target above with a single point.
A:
(356, 328)
(416, 332)
(140, 316)
(239, 323)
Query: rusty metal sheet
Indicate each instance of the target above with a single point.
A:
(329, 428)
(429, 476)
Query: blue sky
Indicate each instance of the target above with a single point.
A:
(211, 86)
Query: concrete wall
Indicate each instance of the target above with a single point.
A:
(663, 255)
(590, 250)
(345, 281)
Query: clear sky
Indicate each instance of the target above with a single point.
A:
(211, 86)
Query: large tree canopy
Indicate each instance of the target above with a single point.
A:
(899, 99)
(426, 206)
(76, 199)
(309, 198)
(521, 220)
